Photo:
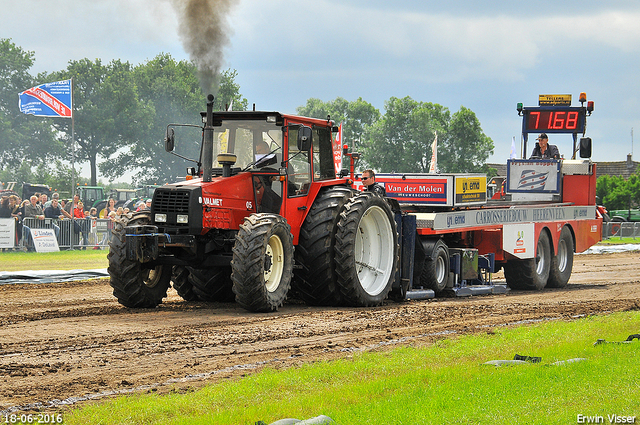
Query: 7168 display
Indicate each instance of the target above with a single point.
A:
(555, 120)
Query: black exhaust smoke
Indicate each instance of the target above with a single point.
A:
(204, 31)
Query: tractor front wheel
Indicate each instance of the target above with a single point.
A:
(134, 284)
(262, 263)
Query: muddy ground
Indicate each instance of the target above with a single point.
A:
(63, 344)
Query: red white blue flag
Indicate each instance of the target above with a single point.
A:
(47, 100)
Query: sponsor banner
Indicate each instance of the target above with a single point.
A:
(44, 240)
(471, 190)
(533, 176)
(497, 216)
(417, 189)
(519, 240)
(7, 232)
(337, 150)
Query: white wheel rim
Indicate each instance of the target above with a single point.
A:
(440, 269)
(562, 255)
(273, 273)
(540, 259)
(153, 277)
(374, 256)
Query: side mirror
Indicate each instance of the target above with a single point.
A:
(304, 138)
(169, 140)
(585, 147)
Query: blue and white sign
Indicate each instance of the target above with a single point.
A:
(47, 100)
(533, 176)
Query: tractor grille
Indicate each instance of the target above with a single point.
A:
(171, 201)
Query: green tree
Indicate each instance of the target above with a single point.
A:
(171, 92)
(108, 112)
(466, 148)
(355, 116)
(23, 138)
(613, 192)
(401, 141)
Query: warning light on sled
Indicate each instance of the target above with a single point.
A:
(583, 97)
(345, 149)
(519, 107)
(590, 106)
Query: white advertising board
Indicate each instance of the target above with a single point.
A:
(7, 232)
(519, 240)
(44, 240)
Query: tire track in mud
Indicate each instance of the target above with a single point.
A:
(74, 342)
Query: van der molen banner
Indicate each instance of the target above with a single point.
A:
(47, 100)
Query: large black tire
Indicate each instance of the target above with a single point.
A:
(366, 250)
(532, 273)
(562, 262)
(184, 288)
(135, 285)
(315, 280)
(435, 271)
(262, 264)
(212, 284)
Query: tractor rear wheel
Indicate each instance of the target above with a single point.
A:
(184, 288)
(366, 250)
(562, 262)
(531, 273)
(212, 284)
(315, 280)
(262, 263)
(134, 284)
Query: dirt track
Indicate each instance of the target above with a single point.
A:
(72, 341)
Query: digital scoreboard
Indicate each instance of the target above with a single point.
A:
(554, 120)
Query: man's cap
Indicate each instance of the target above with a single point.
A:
(542, 136)
(148, 200)
(55, 195)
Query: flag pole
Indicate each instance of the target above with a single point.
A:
(73, 163)
(73, 145)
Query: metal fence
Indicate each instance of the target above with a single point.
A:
(84, 233)
(616, 229)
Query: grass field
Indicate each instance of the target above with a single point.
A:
(63, 260)
(443, 383)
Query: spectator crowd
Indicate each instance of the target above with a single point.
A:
(71, 221)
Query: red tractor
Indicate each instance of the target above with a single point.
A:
(262, 212)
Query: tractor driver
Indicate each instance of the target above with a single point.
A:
(369, 181)
(544, 150)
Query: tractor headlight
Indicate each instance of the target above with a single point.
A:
(182, 218)
(161, 218)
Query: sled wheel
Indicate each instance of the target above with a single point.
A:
(562, 262)
(531, 273)
(435, 272)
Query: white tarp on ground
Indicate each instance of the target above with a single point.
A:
(50, 276)
(607, 249)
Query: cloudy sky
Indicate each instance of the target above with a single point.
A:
(486, 56)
